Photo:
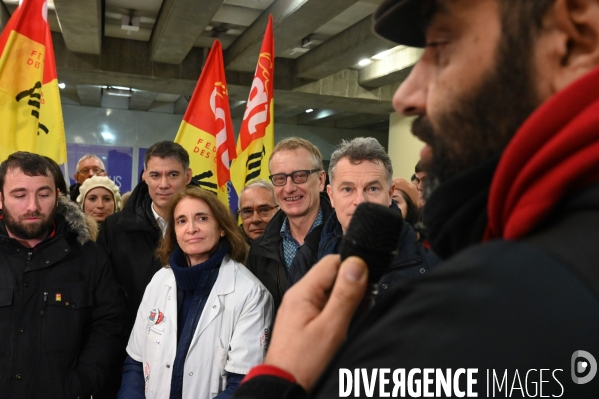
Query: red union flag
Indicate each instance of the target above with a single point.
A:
(256, 136)
(30, 108)
(206, 131)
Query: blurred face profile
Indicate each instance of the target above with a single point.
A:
(256, 209)
(353, 184)
(401, 202)
(421, 182)
(99, 204)
(196, 229)
(471, 53)
(28, 205)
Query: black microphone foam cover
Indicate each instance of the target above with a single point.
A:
(373, 234)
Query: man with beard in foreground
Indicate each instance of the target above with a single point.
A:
(506, 98)
(60, 310)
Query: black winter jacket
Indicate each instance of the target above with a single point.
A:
(502, 306)
(60, 313)
(412, 260)
(130, 238)
(265, 259)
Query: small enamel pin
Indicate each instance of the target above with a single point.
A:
(155, 317)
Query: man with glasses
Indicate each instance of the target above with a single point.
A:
(89, 165)
(298, 178)
(257, 205)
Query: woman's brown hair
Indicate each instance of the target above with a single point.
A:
(237, 246)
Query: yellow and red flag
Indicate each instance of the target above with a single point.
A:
(257, 136)
(206, 131)
(30, 110)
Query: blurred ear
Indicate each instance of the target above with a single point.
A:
(330, 193)
(188, 176)
(569, 41)
(322, 177)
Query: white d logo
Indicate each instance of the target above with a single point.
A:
(589, 365)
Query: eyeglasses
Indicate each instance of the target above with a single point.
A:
(96, 170)
(298, 177)
(263, 211)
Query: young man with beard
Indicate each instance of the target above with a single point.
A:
(60, 310)
(506, 99)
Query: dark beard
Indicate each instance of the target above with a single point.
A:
(28, 231)
(480, 124)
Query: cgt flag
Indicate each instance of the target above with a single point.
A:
(30, 108)
(206, 131)
(256, 136)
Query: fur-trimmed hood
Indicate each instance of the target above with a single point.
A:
(76, 219)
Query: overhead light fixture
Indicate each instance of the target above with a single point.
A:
(61, 85)
(309, 110)
(130, 23)
(365, 61)
(307, 42)
(117, 91)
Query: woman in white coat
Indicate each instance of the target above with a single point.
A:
(204, 319)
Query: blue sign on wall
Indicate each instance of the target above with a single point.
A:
(140, 168)
(117, 160)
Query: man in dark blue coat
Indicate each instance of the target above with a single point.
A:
(361, 171)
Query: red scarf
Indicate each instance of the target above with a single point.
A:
(555, 152)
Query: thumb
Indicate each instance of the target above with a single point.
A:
(347, 294)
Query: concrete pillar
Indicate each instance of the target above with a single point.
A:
(404, 148)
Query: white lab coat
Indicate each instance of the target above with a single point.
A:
(231, 335)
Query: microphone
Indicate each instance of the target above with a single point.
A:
(373, 234)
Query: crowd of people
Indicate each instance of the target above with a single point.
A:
(180, 314)
(169, 295)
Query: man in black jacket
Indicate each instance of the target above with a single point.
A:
(505, 98)
(131, 236)
(60, 308)
(298, 177)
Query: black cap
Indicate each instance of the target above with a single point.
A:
(400, 21)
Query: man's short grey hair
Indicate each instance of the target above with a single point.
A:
(259, 183)
(86, 156)
(361, 149)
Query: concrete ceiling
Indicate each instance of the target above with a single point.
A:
(158, 49)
